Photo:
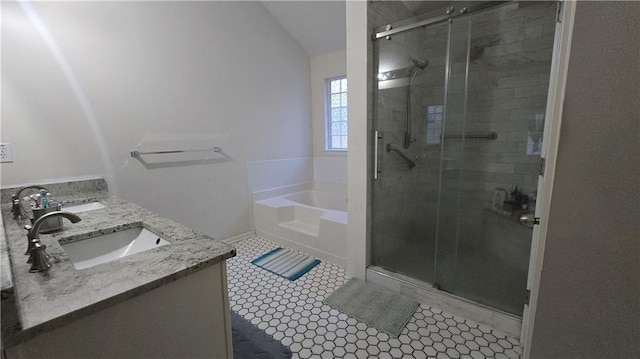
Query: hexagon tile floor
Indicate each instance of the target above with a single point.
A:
(293, 313)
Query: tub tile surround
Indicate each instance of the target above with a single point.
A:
(62, 294)
(293, 313)
(269, 174)
(270, 178)
(332, 169)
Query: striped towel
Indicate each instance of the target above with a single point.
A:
(286, 263)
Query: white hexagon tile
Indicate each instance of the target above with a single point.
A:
(293, 313)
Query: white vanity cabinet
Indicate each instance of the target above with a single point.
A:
(187, 318)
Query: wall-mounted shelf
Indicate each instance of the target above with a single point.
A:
(137, 154)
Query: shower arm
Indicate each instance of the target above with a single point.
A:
(393, 148)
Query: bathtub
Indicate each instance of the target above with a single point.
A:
(311, 221)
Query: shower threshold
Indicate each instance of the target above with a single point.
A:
(425, 293)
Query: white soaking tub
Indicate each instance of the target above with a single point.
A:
(312, 221)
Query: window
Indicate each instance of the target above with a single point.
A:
(434, 124)
(336, 114)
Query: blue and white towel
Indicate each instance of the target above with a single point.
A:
(286, 263)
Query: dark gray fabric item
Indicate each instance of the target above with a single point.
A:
(377, 307)
(250, 342)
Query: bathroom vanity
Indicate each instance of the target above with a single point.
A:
(166, 301)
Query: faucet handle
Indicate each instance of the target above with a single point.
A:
(40, 245)
(16, 208)
(29, 242)
(40, 258)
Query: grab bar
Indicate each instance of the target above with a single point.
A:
(393, 148)
(136, 153)
(489, 136)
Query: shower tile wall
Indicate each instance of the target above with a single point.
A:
(507, 93)
(486, 258)
(510, 58)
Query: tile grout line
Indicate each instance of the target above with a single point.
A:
(293, 313)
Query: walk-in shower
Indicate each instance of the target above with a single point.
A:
(464, 89)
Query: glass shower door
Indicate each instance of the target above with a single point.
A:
(408, 117)
(459, 111)
(496, 101)
(450, 193)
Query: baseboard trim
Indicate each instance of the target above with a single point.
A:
(239, 237)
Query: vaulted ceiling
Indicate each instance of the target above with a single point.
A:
(320, 26)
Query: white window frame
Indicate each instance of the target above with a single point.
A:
(327, 116)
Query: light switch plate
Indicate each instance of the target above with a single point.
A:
(5, 153)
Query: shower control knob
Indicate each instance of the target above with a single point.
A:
(528, 220)
(450, 9)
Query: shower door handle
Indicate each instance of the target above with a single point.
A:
(375, 155)
(529, 220)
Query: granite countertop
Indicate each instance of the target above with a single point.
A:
(6, 281)
(56, 297)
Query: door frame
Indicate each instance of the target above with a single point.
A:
(551, 139)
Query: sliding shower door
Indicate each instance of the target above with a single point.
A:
(496, 101)
(450, 194)
(410, 73)
(459, 110)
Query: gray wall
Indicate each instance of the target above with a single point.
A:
(588, 299)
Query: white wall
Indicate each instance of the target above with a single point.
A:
(156, 74)
(328, 166)
(40, 116)
(359, 130)
(325, 66)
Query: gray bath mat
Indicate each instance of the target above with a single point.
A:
(377, 307)
(249, 342)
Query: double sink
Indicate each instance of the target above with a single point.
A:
(106, 259)
(91, 249)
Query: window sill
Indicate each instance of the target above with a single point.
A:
(335, 152)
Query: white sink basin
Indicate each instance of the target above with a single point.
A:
(106, 248)
(85, 207)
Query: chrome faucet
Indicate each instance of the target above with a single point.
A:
(38, 257)
(18, 209)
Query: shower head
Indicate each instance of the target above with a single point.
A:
(420, 64)
(417, 66)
